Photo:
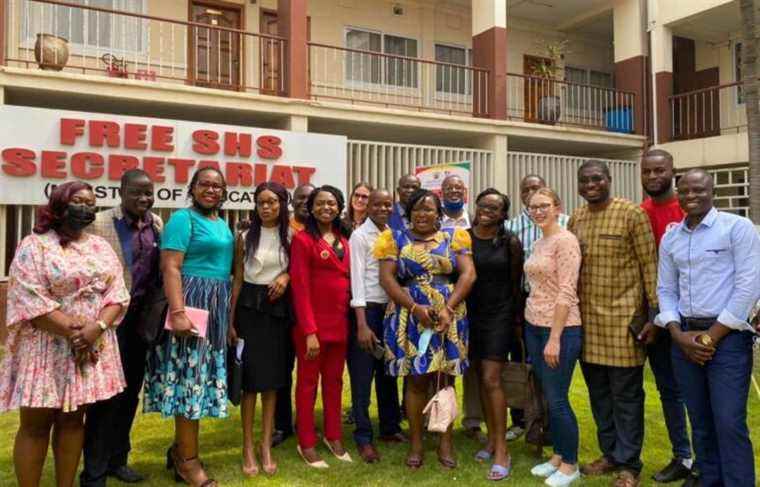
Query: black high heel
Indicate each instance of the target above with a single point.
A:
(169, 458)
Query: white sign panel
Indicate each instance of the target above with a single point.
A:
(40, 148)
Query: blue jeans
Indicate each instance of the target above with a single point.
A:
(716, 399)
(362, 368)
(556, 384)
(673, 408)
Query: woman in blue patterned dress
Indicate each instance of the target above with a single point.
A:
(416, 270)
(186, 375)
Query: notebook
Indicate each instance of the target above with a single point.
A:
(198, 317)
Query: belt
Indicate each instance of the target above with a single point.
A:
(698, 324)
(376, 305)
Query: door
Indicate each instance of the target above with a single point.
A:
(215, 54)
(534, 88)
(271, 54)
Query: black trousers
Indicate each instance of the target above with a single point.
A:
(108, 423)
(283, 413)
(617, 403)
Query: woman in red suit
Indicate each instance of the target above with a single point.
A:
(320, 269)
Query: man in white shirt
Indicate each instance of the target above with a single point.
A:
(369, 301)
(455, 214)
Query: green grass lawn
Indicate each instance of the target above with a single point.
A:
(221, 441)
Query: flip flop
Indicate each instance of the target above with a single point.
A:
(498, 472)
(447, 462)
(414, 461)
(483, 455)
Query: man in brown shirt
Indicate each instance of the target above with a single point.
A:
(617, 290)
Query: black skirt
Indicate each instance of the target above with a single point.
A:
(265, 327)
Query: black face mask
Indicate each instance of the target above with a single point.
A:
(79, 216)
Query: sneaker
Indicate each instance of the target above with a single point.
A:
(559, 479)
(514, 433)
(543, 470)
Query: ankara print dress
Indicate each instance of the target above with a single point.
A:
(425, 271)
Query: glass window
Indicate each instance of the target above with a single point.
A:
(104, 32)
(371, 68)
(449, 79)
(361, 66)
(400, 72)
(585, 97)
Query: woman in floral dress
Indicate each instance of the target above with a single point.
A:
(66, 294)
(416, 269)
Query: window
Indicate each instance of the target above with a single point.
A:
(88, 29)
(370, 68)
(449, 79)
(738, 72)
(582, 97)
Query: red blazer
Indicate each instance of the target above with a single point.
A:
(320, 285)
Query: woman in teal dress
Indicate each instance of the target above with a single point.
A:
(186, 375)
(416, 270)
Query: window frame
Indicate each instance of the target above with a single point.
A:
(467, 72)
(383, 82)
(580, 109)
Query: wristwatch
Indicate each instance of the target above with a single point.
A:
(102, 325)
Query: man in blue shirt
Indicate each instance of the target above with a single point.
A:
(708, 281)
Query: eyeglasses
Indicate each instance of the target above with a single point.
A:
(540, 208)
(212, 186)
(359, 196)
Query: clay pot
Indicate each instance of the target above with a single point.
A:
(51, 52)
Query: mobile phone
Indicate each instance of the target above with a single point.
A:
(378, 350)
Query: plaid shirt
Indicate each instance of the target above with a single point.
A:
(618, 278)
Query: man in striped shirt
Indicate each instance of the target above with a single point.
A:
(528, 233)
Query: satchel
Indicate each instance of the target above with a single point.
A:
(235, 372)
(151, 314)
(441, 409)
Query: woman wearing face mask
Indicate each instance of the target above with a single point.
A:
(553, 333)
(260, 316)
(186, 375)
(66, 294)
(423, 261)
(320, 270)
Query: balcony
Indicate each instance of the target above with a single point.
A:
(214, 54)
(131, 45)
(708, 112)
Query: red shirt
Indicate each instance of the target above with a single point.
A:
(662, 216)
(321, 287)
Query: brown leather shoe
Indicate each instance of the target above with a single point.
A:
(626, 478)
(395, 438)
(368, 453)
(600, 466)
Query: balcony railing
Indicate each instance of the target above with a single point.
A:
(132, 45)
(542, 100)
(707, 112)
(367, 77)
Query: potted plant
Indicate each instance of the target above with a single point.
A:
(51, 52)
(549, 105)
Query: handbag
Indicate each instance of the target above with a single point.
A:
(152, 308)
(235, 372)
(516, 380)
(442, 408)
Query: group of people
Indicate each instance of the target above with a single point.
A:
(412, 289)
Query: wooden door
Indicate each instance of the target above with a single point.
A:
(271, 54)
(534, 88)
(215, 54)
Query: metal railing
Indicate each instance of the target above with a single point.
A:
(543, 100)
(391, 80)
(133, 45)
(707, 112)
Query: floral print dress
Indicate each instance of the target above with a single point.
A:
(39, 370)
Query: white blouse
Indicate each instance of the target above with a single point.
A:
(270, 259)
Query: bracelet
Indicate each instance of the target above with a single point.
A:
(411, 310)
(177, 311)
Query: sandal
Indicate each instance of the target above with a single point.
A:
(187, 468)
(499, 472)
(483, 455)
(271, 467)
(414, 461)
(447, 462)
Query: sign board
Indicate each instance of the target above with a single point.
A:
(40, 148)
(431, 177)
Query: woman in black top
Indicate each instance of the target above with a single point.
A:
(492, 307)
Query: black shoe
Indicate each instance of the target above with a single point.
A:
(279, 436)
(126, 475)
(692, 481)
(675, 470)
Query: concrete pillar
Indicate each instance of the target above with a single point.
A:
(489, 51)
(662, 67)
(499, 144)
(295, 123)
(291, 24)
(631, 57)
